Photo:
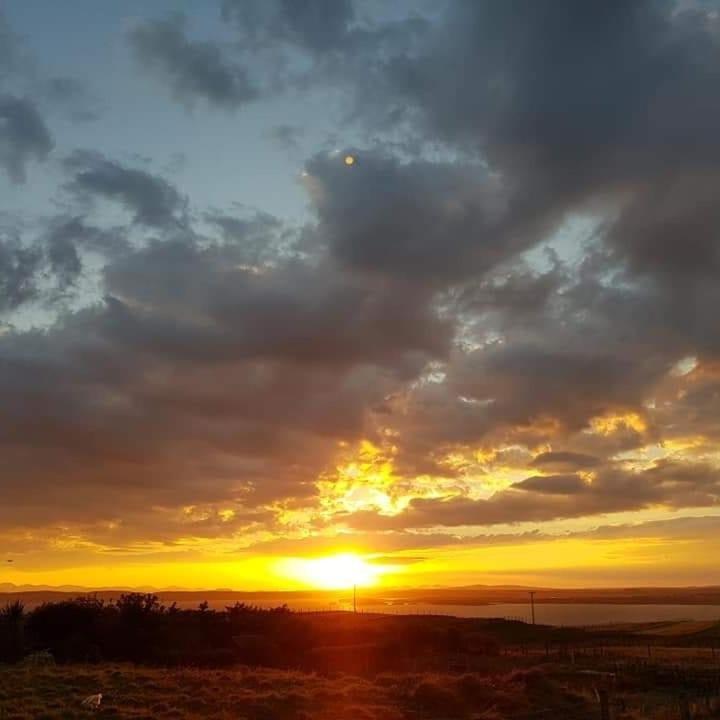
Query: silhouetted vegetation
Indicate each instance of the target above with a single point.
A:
(139, 628)
(12, 632)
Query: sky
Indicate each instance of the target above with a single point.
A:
(299, 291)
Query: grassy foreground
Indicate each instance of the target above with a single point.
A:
(54, 693)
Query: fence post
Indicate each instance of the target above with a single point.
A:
(604, 698)
(684, 707)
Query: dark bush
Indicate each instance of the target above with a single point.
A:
(70, 630)
(12, 632)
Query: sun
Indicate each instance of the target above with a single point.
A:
(334, 572)
(349, 160)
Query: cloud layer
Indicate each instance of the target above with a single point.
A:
(503, 312)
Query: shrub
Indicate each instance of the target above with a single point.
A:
(12, 632)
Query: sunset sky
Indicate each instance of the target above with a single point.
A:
(299, 292)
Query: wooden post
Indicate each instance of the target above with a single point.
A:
(684, 707)
(604, 698)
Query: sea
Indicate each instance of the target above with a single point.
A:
(560, 614)
(563, 614)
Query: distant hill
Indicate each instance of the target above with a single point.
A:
(318, 599)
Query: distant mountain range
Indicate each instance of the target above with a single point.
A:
(464, 595)
(12, 588)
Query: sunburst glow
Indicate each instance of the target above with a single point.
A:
(335, 572)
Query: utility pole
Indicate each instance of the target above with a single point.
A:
(355, 598)
(532, 604)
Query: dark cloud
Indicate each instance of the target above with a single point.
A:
(529, 394)
(258, 373)
(41, 268)
(286, 136)
(66, 231)
(438, 223)
(440, 301)
(553, 484)
(612, 105)
(315, 25)
(23, 136)
(259, 237)
(610, 84)
(516, 296)
(299, 312)
(152, 199)
(523, 383)
(19, 267)
(194, 69)
(541, 499)
(559, 461)
(64, 260)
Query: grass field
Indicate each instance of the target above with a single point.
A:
(393, 667)
(56, 693)
(534, 691)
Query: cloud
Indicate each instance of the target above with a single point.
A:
(578, 85)
(553, 484)
(611, 110)
(152, 199)
(559, 461)
(525, 382)
(199, 379)
(397, 559)
(496, 293)
(64, 258)
(44, 267)
(315, 25)
(546, 498)
(75, 235)
(286, 136)
(433, 222)
(193, 69)
(23, 136)
(19, 267)
(299, 312)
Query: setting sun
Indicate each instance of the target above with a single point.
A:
(335, 572)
